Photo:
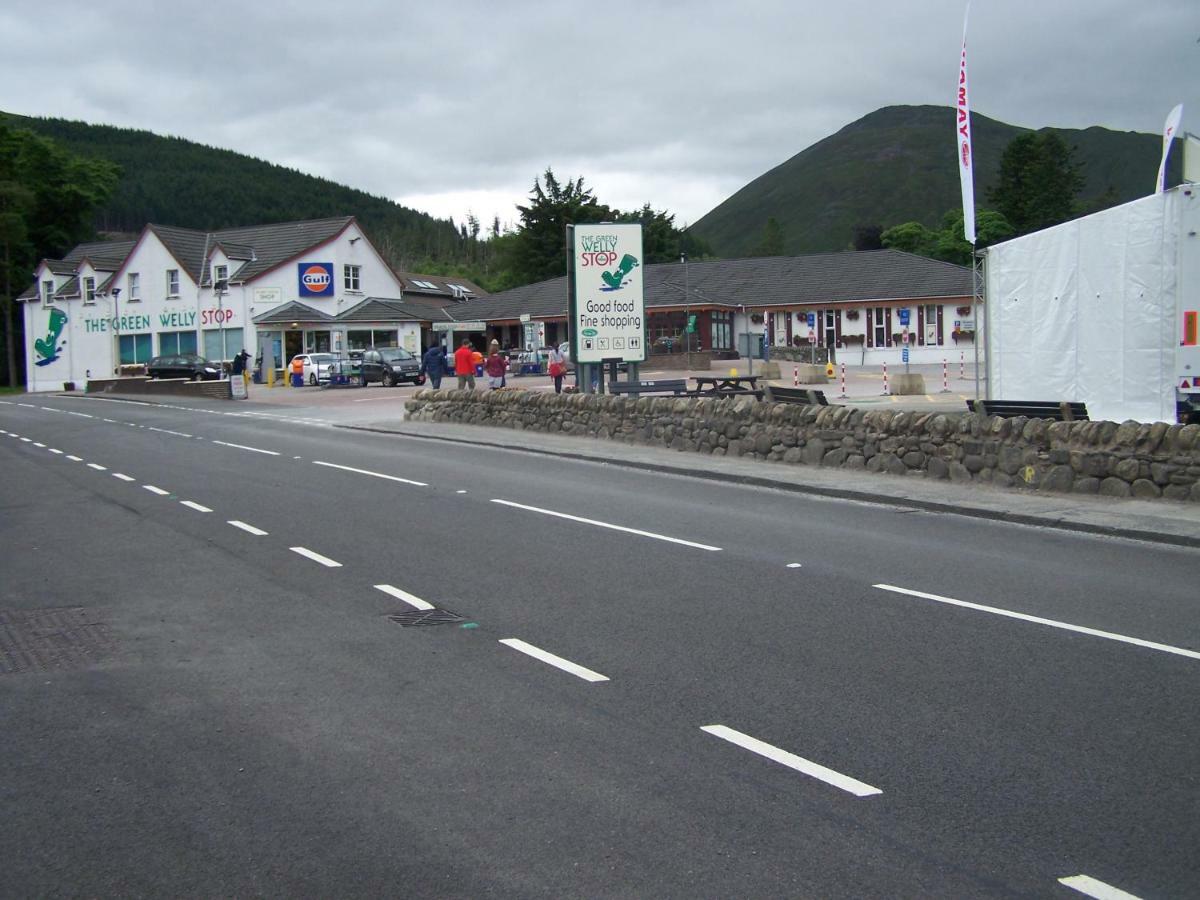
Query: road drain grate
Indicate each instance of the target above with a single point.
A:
(427, 617)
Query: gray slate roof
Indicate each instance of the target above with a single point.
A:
(774, 281)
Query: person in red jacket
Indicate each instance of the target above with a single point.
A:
(464, 366)
(495, 366)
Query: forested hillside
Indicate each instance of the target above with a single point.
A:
(898, 165)
(173, 181)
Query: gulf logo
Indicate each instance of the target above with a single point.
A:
(316, 279)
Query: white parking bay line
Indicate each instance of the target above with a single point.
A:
(317, 462)
(192, 504)
(316, 557)
(410, 599)
(598, 524)
(1052, 623)
(1093, 888)
(156, 490)
(122, 477)
(557, 661)
(244, 447)
(250, 528)
(816, 770)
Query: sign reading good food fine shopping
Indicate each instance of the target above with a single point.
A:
(608, 318)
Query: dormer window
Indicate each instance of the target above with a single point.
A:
(89, 291)
(48, 292)
(220, 275)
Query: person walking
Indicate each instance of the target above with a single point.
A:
(239, 367)
(556, 368)
(495, 366)
(464, 366)
(433, 365)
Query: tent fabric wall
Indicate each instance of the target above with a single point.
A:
(1085, 311)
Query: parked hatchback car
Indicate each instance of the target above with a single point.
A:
(183, 365)
(390, 366)
(316, 366)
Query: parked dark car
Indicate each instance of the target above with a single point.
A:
(390, 366)
(183, 365)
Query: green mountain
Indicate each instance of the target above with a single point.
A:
(172, 181)
(898, 165)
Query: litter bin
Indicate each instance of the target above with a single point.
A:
(297, 379)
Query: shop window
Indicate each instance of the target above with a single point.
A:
(358, 340)
(721, 330)
(176, 342)
(220, 345)
(135, 348)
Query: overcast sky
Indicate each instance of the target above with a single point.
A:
(456, 106)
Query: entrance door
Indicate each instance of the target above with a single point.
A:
(829, 327)
(293, 345)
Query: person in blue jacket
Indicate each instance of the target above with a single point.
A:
(433, 365)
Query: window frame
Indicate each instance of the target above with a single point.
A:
(87, 286)
(172, 284)
(133, 287)
(47, 292)
(352, 278)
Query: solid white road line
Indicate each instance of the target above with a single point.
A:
(156, 490)
(557, 661)
(1037, 620)
(250, 528)
(192, 504)
(649, 534)
(243, 447)
(73, 458)
(837, 779)
(122, 477)
(97, 467)
(408, 598)
(317, 462)
(1093, 888)
(316, 557)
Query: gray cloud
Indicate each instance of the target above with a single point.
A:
(675, 104)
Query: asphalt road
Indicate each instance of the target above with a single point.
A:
(747, 693)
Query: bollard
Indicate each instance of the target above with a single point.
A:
(945, 377)
(885, 383)
(962, 372)
(843, 394)
(795, 376)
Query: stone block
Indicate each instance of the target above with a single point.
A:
(1144, 488)
(908, 383)
(1114, 487)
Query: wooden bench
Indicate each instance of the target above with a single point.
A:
(1070, 411)
(801, 396)
(665, 386)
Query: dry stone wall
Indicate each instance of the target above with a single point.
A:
(1114, 459)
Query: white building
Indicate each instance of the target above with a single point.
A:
(177, 290)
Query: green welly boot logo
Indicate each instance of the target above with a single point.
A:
(48, 347)
(614, 280)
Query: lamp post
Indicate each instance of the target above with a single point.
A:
(687, 310)
(116, 295)
(219, 287)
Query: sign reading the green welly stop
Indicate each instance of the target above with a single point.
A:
(608, 317)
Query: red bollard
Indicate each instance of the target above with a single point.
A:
(945, 377)
(795, 376)
(843, 394)
(885, 382)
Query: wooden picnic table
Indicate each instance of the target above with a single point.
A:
(727, 385)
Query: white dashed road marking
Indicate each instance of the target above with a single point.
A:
(329, 465)
(808, 767)
(408, 598)
(98, 468)
(1038, 620)
(156, 490)
(122, 477)
(598, 524)
(250, 528)
(243, 447)
(74, 458)
(1093, 888)
(316, 557)
(192, 504)
(550, 659)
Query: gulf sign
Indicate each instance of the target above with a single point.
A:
(316, 279)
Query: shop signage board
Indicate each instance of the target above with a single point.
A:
(459, 326)
(608, 316)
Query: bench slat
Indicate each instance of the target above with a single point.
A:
(1067, 411)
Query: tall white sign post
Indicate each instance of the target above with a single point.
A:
(608, 309)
